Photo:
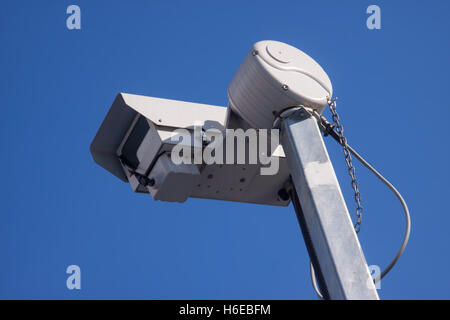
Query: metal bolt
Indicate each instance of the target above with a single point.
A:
(145, 181)
(285, 87)
(283, 194)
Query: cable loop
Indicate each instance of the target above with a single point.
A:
(337, 134)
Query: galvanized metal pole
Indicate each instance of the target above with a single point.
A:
(333, 244)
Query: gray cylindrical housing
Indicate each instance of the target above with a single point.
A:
(275, 76)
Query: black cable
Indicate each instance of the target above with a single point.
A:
(329, 130)
(309, 244)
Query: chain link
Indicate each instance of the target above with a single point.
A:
(348, 159)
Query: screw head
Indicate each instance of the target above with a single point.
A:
(151, 182)
(283, 194)
(285, 87)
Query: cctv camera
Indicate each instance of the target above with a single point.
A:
(137, 137)
(139, 134)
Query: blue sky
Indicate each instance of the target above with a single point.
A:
(59, 208)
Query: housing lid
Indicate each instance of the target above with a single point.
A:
(275, 76)
(304, 77)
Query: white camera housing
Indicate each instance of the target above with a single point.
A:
(135, 140)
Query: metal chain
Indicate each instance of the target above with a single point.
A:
(348, 159)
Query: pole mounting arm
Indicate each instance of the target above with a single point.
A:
(336, 252)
